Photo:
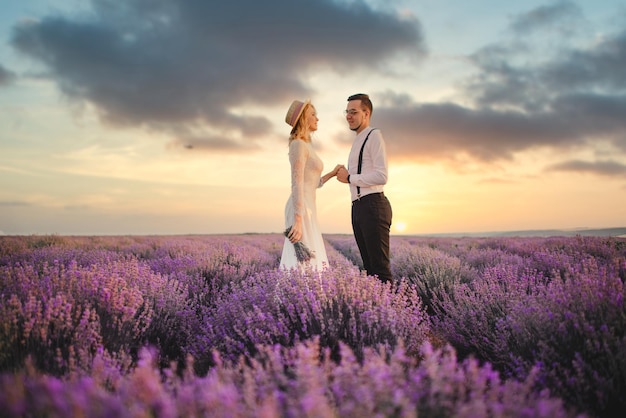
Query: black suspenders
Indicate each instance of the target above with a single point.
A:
(358, 189)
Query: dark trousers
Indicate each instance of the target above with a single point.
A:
(371, 221)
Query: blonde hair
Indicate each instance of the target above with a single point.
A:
(301, 128)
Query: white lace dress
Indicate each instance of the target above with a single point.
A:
(306, 171)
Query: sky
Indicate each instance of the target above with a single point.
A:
(160, 117)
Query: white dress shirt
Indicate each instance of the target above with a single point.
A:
(374, 167)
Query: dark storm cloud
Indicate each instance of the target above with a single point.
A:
(572, 97)
(188, 65)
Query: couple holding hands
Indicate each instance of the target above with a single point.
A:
(366, 176)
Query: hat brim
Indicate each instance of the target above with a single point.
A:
(295, 118)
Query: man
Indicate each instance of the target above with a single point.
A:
(367, 175)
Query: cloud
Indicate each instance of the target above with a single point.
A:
(194, 70)
(562, 16)
(13, 203)
(185, 67)
(607, 168)
(445, 131)
(6, 76)
(520, 97)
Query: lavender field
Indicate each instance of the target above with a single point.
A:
(207, 326)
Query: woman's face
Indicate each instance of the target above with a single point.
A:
(311, 118)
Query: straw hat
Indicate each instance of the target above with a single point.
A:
(294, 112)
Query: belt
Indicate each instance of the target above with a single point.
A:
(369, 195)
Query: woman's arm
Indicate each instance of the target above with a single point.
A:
(329, 175)
(298, 154)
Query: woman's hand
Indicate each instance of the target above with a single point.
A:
(295, 234)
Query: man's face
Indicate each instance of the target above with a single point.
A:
(355, 115)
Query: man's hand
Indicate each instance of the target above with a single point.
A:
(342, 174)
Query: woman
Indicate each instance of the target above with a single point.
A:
(300, 210)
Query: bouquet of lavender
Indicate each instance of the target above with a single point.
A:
(303, 253)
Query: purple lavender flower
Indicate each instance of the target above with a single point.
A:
(303, 253)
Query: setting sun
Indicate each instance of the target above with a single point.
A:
(399, 226)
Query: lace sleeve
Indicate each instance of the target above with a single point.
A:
(298, 154)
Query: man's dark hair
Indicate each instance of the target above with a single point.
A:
(365, 101)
